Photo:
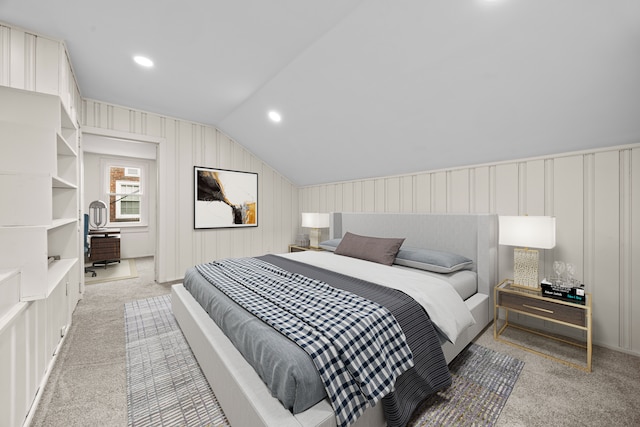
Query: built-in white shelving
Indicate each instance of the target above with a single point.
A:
(40, 187)
(39, 173)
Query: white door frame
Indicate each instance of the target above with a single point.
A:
(160, 159)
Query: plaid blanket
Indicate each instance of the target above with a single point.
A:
(357, 346)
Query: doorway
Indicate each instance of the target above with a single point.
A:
(104, 155)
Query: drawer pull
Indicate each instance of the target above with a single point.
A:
(538, 308)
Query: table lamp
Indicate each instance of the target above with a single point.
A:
(315, 221)
(97, 214)
(526, 232)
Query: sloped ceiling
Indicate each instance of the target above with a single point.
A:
(366, 88)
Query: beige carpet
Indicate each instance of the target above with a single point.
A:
(88, 385)
(125, 269)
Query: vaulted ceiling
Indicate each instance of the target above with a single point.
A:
(365, 88)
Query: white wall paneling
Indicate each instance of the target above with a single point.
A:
(459, 193)
(626, 288)
(481, 195)
(439, 199)
(422, 202)
(182, 145)
(633, 266)
(606, 244)
(590, 194)
(37, 63)
(47, 58)
(32, 331)
(368, 196)
(5, 55)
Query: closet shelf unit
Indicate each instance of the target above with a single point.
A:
(39, 177)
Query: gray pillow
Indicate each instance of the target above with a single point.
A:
(382, 250)
(330, 245)
(432, 260)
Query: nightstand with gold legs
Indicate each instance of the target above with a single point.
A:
(530, 302)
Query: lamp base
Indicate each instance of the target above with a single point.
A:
(314, 238)
(525, 268)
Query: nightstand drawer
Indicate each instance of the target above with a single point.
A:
(296, 248)
(548, 309)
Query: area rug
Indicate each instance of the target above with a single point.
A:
(482, 382)
(125, 269)
(165, 386)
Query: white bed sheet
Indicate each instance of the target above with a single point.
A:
(448, 312)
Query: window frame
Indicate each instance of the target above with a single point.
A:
(119, 184)
(106, 163)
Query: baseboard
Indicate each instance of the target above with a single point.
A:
(36, 400)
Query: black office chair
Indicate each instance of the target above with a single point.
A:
(86, 245)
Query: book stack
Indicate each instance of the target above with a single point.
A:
(575, 294)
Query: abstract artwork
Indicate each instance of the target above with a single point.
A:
(225, 198)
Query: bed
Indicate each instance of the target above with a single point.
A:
(243, 395)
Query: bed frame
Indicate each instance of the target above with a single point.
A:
(245, 399)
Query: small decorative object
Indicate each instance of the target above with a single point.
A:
(558, 268)
(527, 232)
(315, 221)
(97, 214)
(571, 274)
(302, 240)
(565, 274)
(225, 198)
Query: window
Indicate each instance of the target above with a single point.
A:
(124, 187)
(127, 200)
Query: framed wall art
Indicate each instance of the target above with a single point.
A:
(224, 198)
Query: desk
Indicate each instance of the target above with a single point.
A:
(104, 247)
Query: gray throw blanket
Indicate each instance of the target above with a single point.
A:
(430, 372)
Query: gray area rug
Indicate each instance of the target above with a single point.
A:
(482, 381)
(165, 386)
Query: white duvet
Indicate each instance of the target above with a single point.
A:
(448, 312)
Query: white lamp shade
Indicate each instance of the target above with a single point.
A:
(528, 231)
(315, 220)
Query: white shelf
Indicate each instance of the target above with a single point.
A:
(58, 182)
(64, 149)
(66, 117)
(60, 222)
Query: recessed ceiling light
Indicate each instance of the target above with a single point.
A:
(143, 61)
(275, 116)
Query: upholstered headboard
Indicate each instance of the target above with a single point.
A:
(472, 235)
